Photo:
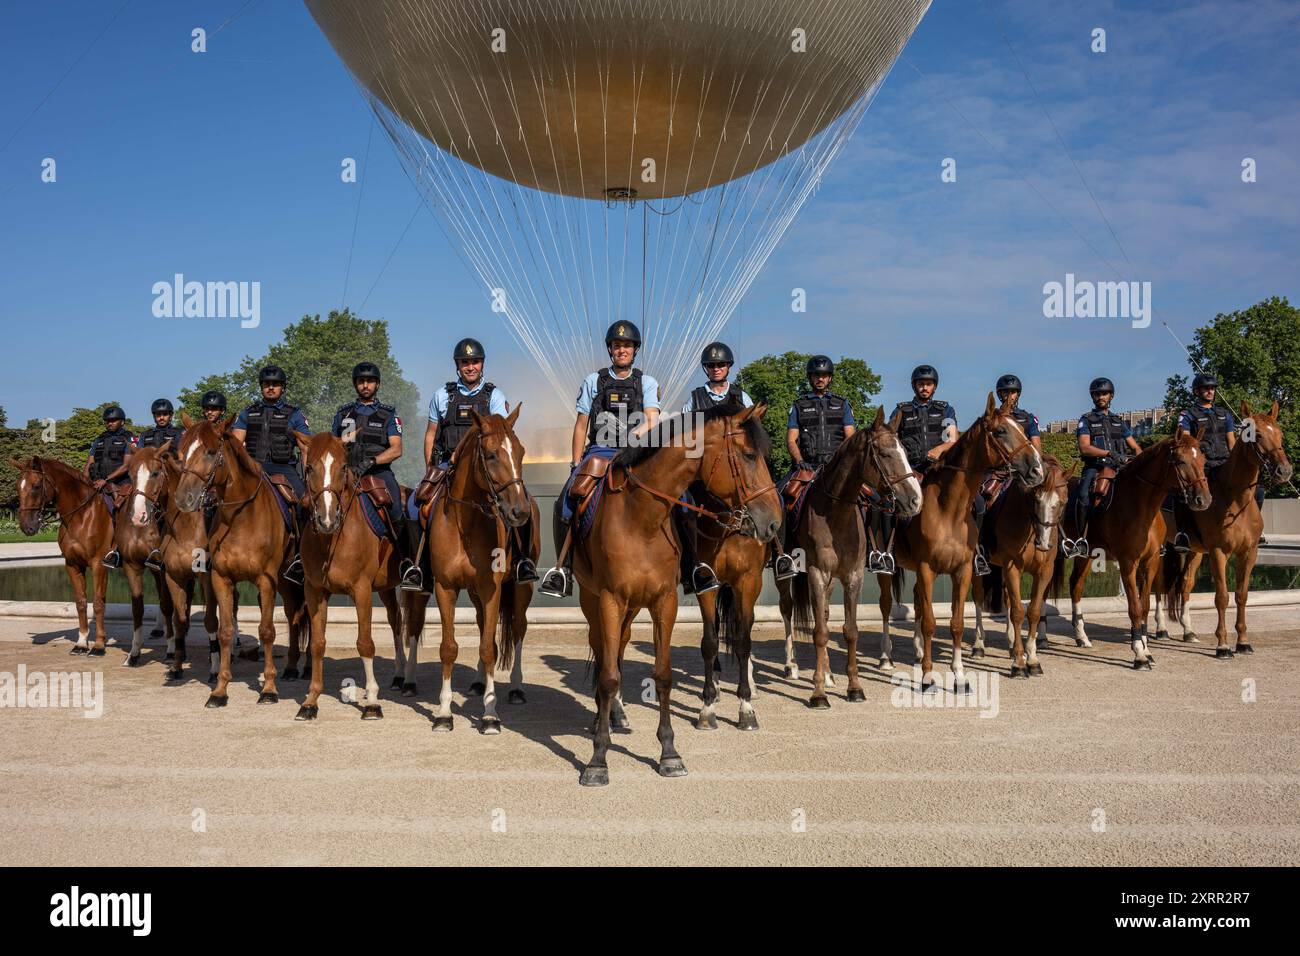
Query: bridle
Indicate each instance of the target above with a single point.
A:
(1185, 487)
(210, 477)
(347, 495)
(888, 501)
(48, 497)
(990, 439)
(494, 507)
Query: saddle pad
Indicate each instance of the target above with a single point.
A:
(797, 510)
(279, 500)
(588, 517)
(108, 503)
(373, 517)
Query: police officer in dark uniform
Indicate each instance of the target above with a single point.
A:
(266, 428)
(213, 405)
(105, 466)
(820, 421)
(1217, 441)
(450, 417)
(164, 429)
(1008, 390)
(1105, 440)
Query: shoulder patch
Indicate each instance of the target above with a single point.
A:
(397, 419)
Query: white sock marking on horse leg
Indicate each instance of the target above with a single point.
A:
(444, 698)
(372, 685)
(1185, 620)
(886, 644)
(791, 668)
(214, 658)
(1011, 638)
(137, 640)
(490, 698)
(1076, 615)
(517, 669)
(83, 638)
(171, 646)
(1162, 623)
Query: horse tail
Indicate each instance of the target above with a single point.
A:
(1173, 568)
(727, 617)
(896, 585)
(1058, 576)
(993, 590)
(801, 595)
(510, 636)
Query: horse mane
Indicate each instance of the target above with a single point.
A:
(661, 435)
(241, 454)
(55, 468)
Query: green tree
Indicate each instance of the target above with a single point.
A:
(778, 380)
(1255, 354)
(1063, 446)
(317, 356)
(66, 439)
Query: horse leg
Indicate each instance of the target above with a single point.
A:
(786, 602)
(1184, 615)
(707, 720)
(78, 578)
(523, 595)
(1041, 580)
(394, 613)
(1015, 615)
(479, 685)
(885, 583)
(618, 713)
(365, 647)
(1078, 574)
(664, 614)
(604, 628)
(99, 577)
(224, 595)
(266, 636)
(318, 601)
(977, 591)
(957, 623)
(1245, 565)
(166, 608)
(924, 639)
(746, 593)
(180, 597)
(211, 625)
(448, 652)
(819, 587)
(415, 608)
(487, 648)
(852, 592)
(135, 582)
(1219, 573)
(1128, 572)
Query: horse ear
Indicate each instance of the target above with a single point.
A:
(222, 426)
(1245, 409)
(478, 419)
(17, 464)
(302, 440)
(1272, 412)
(896, 420)
(164, 447)
(185, 419)
(991, 407)
(1074, 466)
(880, 417)
(759, 410)
(1200, 431)
(514, 416)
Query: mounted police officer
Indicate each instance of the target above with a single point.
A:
(213, 405)
(717, 360)
(820, 421)
(609, 400)
(105, 466)
(164, 429)
(1105, 441)
(266, 428)
(1008, 390)
(450, 418)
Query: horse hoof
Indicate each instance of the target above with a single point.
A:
(929, 687)
(96, 652)
(1223, 653)
(1142, 665)
(1150, 660)
(132, 661)
(78, 649)
(442, 724)
(855, 695)
(268, 697)
(961, 687)
(516, 696)
(408, 690)
(976, 652)
(307, 712)
(594, 777)
(372, 712)
(397, 683)
(1244, 648)
(477, 689)
(156, 632)
(819, 702)
(620, 722)
(1189, 637)
(1035, 669)
(289, 673)
(174, 673)
(490, 726)
(1018, 671)
(1162, 635)
(748, 721)
(672, 767)
(886, 664)
(1082, 643)
(706, 722)
(792, 672)
(214, 701)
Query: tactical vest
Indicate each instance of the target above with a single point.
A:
(922, 429)
(157, 437)
(369, 430)
(821, 426)
(269, 437)
(701, 402)
(1106, 429)
(1023, 418)
(457, 420)
(616, 398)
(1214, 443)
(110, 452)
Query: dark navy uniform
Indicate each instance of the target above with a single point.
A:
(371, 424)
(108, 453)
(922, 428)
(157, 436)
(1218, 423)
(1106, 430)
(821, 420)
(269, 438)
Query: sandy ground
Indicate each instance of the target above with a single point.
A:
(1091, 763)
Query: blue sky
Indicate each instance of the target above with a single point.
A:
(225, 165)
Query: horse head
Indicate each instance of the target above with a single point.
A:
(326, 476)
(1010, 445)
(201, 460)
(148, 483)
(1267, 442)
(1048, 500)
(888, 459)
(733, 467)
(1187, 466)
(498, 466)
(35, 491)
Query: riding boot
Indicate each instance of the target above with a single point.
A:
(981, 559)
(413, 557)
(697, 577)
(525, 570)
(294, 572)
(558, 581)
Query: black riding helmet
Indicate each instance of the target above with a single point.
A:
(365, 370)
(715, 353)
(1205, 380)
(925, 373)
(1008, 383)
(273, 374)
(469, 349)
(161, 406)
(213, 399)
(114, 413)
(623, 330)
(1101, 385)
(820, 365)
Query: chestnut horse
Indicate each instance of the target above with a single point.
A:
(942, 539)
(248, 542)
(85, 533)
(1230, 527)
(136, 533)
(470, 547)
(341, 555)
(630, 559)
(1027, 536)
(1130, 530)
(834, 539)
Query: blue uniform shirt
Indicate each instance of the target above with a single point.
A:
(587, 394)
(95, 445)
(297, 421)
(1083, 429)
(394, 426)
(1032, 430)
(438, 404)
(1186, 424)
(793, 421)
(719, 396)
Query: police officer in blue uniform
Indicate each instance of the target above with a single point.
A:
(213, 405)
(105, 466)
(1105, 440)
(1008, 390)
(451, 416)
(717, 360)
(266, 428)
(164, 429)
(609, 400)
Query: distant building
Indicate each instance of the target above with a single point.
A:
(1142, 421)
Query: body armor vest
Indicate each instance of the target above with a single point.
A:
(821, 426)
(1214, 443)
(922, 428)
(268, 438)
(616, 398)
(369, 430)
(700, 400)
(1106, 429)
(156, 437)
(110, 452)
(457, 420)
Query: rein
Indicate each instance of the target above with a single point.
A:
(492, 508)
(45, 500)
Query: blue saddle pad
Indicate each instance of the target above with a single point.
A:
(588, 518)
(279, 500)
(374, 518)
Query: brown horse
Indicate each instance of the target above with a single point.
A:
(942, 539)
(470, 546)
(136, 533)
(248, 542)
(341, 555)
(630, 558)
(1230, 527)
(834, 540)
(1027, 536)
(1130, 531)
(85, 533)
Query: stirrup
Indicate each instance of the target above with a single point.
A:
(113, 559)
(981, 562)
(154, 561)
(525, 571)
(783, 567)
(1074, 547)
(412, 578)
(557, 582)
(1182, 543)
(881, 562)
(293, 573)
(703, 580)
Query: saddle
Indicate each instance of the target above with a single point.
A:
(792, 491)
(281, 484)
(120, 493)
(432, 479)
(373, 487)
(586, 478)
(995, 482)
(1101, 486)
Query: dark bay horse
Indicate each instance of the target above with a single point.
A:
(1130, 531)
(1229, 527)
(1026, 523)
(630, 558)
(942, 539)
(248, 542)
(85, 533)
(470, 544)
(136, 533)
(341, 555)
(834, 539)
